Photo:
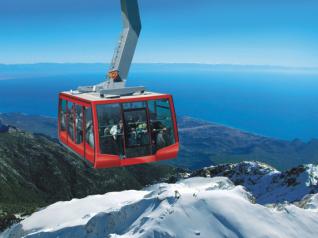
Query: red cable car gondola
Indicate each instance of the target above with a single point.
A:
(111, 125)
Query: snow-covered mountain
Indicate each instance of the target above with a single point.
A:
(267, 184)
(193, 207)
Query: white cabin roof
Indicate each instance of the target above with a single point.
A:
(94, 96)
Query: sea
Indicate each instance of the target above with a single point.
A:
(282, 105)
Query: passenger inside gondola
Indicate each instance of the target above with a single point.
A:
(117, 132)
(161, 124)
(106, 141)
(132, 137)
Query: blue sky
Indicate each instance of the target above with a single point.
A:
(270, 32)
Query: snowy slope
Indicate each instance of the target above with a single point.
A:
(207, 207)
(266, 183)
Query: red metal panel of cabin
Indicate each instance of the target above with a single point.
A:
(83, 149)
(109, 161)
(62, 134)
(79, 149)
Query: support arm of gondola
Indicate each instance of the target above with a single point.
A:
(124, 53)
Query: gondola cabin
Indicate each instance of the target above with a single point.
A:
(121, 131)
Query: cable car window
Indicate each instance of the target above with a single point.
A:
(70, 121)
(111, 129)
(63, 114)
(162, 130)
(89, 130)
(79, 124)
(137, 139)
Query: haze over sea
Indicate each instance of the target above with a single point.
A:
(276, 103)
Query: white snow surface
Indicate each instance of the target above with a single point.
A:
(269, 185)
(207, 207)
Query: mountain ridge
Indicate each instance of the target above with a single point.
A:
(208, 143)
(267, 184)
(205, 207)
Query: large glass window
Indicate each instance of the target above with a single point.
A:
(89, 130)
(111, 129)
(79, 124)
(70, 120)
(135, 129)
(63, 114)
(162, 131)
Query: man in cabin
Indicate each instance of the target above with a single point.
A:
(142, 133)
(117, 132)
(159, 131)
(160, 140)
(107, 143)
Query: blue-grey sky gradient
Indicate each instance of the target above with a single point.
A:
(266, 32)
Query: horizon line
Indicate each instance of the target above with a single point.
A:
(172, 63)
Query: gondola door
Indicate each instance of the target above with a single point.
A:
(137, 130)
